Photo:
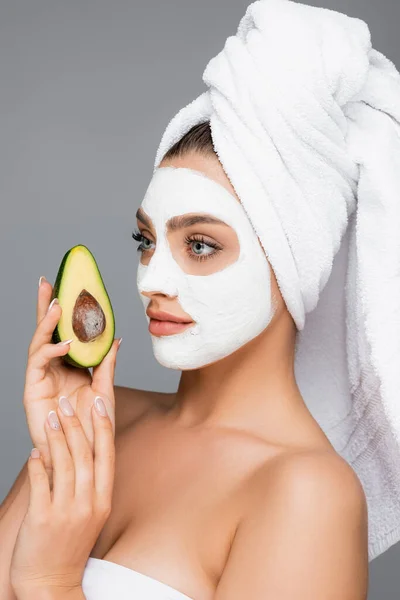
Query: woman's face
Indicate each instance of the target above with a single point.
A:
(200, 260)
(200, 243)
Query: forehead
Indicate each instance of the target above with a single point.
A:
(177, 190)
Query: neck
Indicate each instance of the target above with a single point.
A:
(254, 390)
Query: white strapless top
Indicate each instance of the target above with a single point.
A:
(105, 580)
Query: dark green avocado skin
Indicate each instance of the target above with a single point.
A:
(56, 335)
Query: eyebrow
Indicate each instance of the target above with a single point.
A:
(180, 221)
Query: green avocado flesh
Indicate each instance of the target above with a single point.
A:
(87, 315)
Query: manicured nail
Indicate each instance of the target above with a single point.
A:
(53, 420)
(119, 343)
(100, 406)
(65, 406)
(54, 301)
(35, 453)
(65, 342)
(42, 278)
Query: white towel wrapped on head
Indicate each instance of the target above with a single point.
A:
(305, 120)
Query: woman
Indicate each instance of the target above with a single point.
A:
(223, 487)
(227, 483)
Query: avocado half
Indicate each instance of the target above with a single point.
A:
(87, 314)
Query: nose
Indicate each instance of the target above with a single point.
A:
(158, 277)
(157, 293)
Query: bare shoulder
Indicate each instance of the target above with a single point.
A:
(306, 518)
(132, 403)
(313, 471)
(314, 484)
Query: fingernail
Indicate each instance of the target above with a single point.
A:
(65, 342)
(65, 406)
(53, 420)
(42, 278)
(35, 453)
(54, 301)
(100, 406)
(119, 343)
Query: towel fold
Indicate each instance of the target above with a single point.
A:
(305, 120)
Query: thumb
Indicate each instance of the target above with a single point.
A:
(103, 373)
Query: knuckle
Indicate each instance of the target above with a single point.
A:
(33, 342)
(87, 458)
(48, 349)
(108, 425)
(39, 518)
(48, 467)
(73, 422)
(103, 509)
(62, 519)
(86, 479)
(40, 477)
(107, 431)
(31, 354)
(109, 457)
(68, 468)
(36, 355)
(84, 512)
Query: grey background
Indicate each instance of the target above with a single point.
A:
(87, 89)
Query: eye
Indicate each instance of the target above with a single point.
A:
(195, 244)
(139, 237)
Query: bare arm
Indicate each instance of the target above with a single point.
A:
(12, 511)
(129, 404)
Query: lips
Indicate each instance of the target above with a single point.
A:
(163, 323)
(161, 315)
(159, 328)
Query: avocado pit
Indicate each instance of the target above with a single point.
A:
(88, 318)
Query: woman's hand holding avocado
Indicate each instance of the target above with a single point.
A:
(48, 377)
(62, 524)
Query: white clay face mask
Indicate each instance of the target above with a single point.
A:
(230, 306)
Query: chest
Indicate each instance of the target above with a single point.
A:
(177, 501)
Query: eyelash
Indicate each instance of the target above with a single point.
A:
(139, 237)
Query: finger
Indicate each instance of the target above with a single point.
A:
(104, 457)
(39, 360)
(103, 374)
(80, 451)
(39, 498)
(43, 299)
(45, 328)
(63, 465)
